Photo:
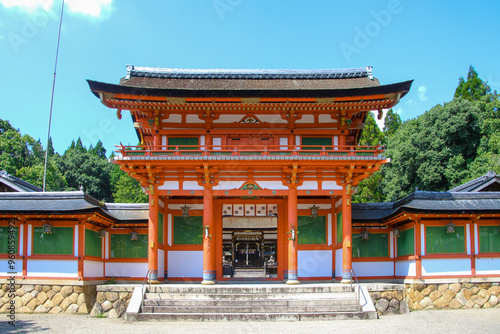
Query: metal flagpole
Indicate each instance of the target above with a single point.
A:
(52, 99)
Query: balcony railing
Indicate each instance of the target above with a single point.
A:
(247, 151)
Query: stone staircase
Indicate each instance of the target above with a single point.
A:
(248, 302)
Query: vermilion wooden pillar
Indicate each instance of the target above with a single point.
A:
(208, 243)
(346, 238)
(292, 236)
(153, 236)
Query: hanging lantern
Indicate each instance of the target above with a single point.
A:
(134, 235)
(185, 211)
(102, 233)
(449, 227)
(397, 232)
(314, 211)
(47, 228)
(365, 235)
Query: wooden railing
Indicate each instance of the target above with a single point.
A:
(247, 150)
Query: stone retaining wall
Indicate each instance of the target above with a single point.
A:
(388, 299)
(112, 301)
(452, 296)
(49, 298)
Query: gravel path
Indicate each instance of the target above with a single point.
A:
(444, 321)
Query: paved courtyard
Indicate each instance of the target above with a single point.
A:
(445, 321)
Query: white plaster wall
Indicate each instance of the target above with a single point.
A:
(330, 185)
(75, 249)
(326, 119)
(284, 143)
(306, 119)
(93, 269)
(271, 118)
(227, 185)
(191, 185)
(406, 268)
(30, 238)
(191, 206)
(488, 266)
(169, 185)
(228, 119)
(6, 271)
(52, 268)
(446, 267)
(216, 141)
(315, 263)
(379, 268)
(468, 236)
(338, 262)
(21, 240)
(170, 229)
(273, 185)
(307, 206)
(126, 269)
(308, 185)
(161, 263)
(173, 118)
(185, 264)
(194, 119)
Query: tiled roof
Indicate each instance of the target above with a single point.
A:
(67, 202)
(429, 202)
(265, 74)
(16, 183)
(477, 184)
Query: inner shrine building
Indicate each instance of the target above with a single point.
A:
(249, 172)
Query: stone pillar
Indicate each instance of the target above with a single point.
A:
(208, 243)
(292, 236)
(153, 235)
(346, 238)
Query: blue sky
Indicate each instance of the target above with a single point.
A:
(432, 42)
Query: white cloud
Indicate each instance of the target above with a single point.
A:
(28, 5)
(93, 8)
(380, 122)
(422, 90)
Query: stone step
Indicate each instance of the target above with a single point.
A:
(250, 316)
(254, 296)
(251, 309)
(268, 302)
(246, 288)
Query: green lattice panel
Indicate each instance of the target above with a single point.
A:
(377, 245)
(160, 228)
(489, 239)
(339, 227)
(438, 241)
(311, 230)
(93, 243)
(406, 242)
(59, 242)
(187, 231)
(4, 239)
(123, 247)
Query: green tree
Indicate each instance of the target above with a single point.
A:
(371, 136)
(392, 123)
(370, 190)
(98, 150)
(17, 151)
(125, 188)
(82, 168)
(55, 180)
(472, 89)
(432, 152)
